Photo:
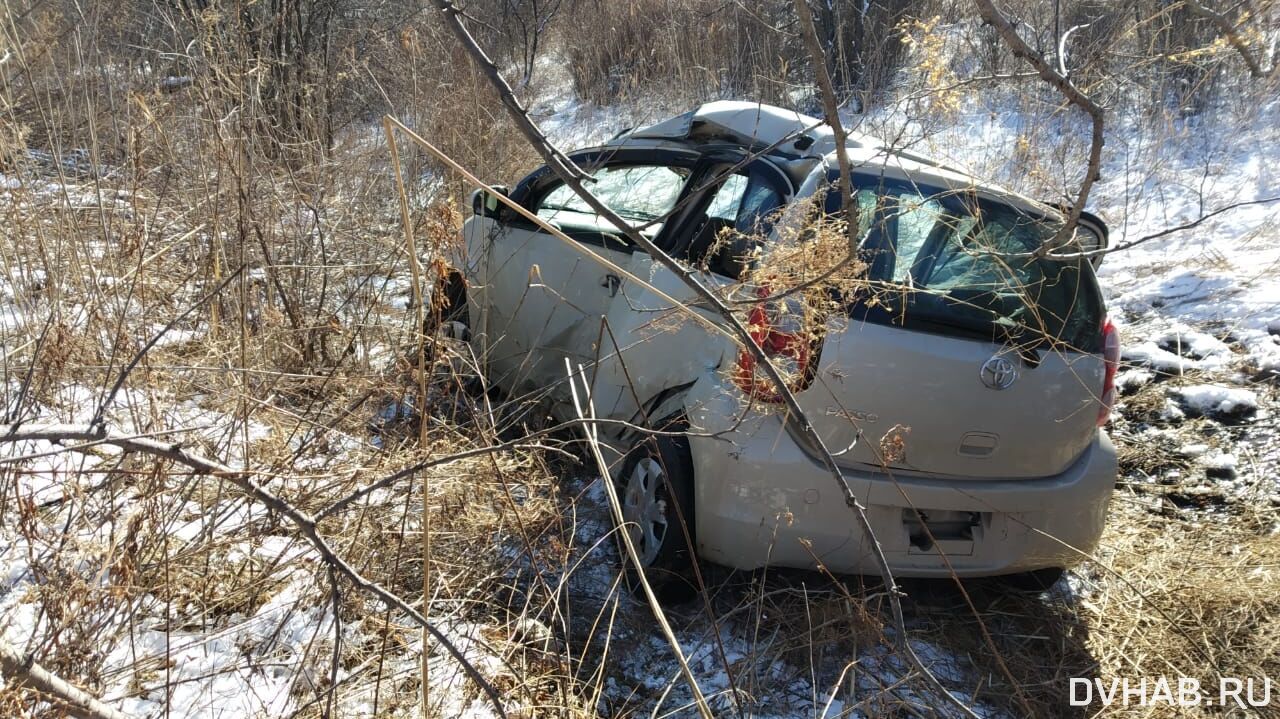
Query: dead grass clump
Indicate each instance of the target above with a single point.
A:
(1038, 641)
(1198, 598)
(1148, 404)
(1153, 457)
(820, 625)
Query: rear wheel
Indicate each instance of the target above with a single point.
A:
(1033, 582)
(655, 488)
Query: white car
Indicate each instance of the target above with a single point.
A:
(996, 369)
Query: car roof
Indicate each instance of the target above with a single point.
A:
(757, 126)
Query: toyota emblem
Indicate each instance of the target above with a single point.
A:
(998, 373)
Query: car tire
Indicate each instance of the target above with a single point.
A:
(655, 488)
(1034, 582)
(452, 319)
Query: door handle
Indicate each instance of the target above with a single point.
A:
(612, 282)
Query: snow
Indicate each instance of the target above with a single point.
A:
(1151, 355)
(209, 676)
(1193, 450)
(1200, 307)
(1220, 461)
(1210, 399)
(1132, 380)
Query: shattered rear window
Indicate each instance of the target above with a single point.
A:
(950, 262)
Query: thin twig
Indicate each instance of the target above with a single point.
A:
(587, 412)
(243, 479)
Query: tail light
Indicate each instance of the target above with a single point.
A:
(779, 328)
(1111, 360)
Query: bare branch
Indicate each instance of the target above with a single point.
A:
(1227, 29)
(831, 110)
(22, 670)
(1192, 224)
(243, 479)
(1073, 95)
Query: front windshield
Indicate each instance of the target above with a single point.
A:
(638, 193)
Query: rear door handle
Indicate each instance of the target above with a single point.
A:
(612, 282)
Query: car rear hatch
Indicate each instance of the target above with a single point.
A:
(964, 357)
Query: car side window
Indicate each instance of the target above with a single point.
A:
(728, 199)
(638, 193)
(746, 203)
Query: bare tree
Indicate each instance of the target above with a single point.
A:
(1073, 95)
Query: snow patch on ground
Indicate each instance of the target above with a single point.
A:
(1132, 380)
(1210, 399)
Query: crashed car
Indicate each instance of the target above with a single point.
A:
(990, 366)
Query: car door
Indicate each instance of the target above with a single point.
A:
(648, 348)
(543, 296)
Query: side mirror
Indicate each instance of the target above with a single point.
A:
(1091, 232)
(484, 204)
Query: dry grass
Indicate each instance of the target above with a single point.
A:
(1214, 581)
(125, 200)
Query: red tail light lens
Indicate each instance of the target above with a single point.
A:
(779, 328)
(1111, 360)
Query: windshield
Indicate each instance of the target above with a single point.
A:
(638, 193)
(943, 259)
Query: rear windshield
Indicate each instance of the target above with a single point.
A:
(947, 261)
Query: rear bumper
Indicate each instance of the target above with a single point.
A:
(760, 500)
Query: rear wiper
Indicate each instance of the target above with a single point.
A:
(1013, 333)
(1015, 336)
(979, 329)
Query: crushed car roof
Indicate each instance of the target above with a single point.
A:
(751, 124)
(756, 125)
